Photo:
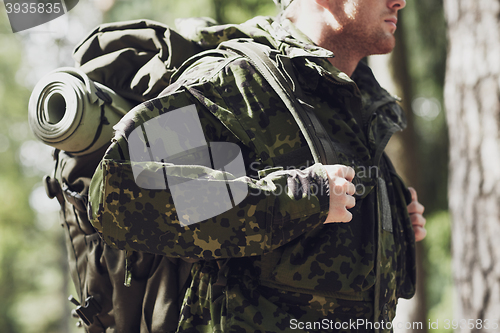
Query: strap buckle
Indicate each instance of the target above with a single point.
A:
(87, 311)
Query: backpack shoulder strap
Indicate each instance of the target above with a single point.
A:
(315, 134)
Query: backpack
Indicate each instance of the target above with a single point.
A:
(133, 291)
(135, 59)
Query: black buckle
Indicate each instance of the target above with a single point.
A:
(75, 198)
(87, 311)
(52, 187)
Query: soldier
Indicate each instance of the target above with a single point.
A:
(310, 246)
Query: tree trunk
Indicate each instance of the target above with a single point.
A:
(472, 98)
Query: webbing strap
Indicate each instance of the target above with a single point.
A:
(315, 134)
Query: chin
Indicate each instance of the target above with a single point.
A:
(385, 50)
(386, 46)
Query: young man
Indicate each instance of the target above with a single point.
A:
(312, 246)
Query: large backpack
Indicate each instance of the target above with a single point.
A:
(135, 59)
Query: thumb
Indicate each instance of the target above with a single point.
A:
(414, 196)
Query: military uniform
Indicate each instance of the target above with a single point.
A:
(269, 264)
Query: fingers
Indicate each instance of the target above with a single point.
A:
(350, 202)
(417, 220)
(414, 196)
(420, 233)
(345, 172)
(338, 214)
(342, 186)
(351, 189)
(415, 208)
(341, 171)
(342, 176)
(341, 193)
(339, 205)
(341, 199)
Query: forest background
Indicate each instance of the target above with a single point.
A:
(34, 279)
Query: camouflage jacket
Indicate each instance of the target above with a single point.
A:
(160, 190)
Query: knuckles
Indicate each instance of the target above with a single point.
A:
(341, 193)
(340, 186)
(416, 208)
(417, 220)
(339, 216)
(420, 233)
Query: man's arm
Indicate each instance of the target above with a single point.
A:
(279, 207)
(234, 106)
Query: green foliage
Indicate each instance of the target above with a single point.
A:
(167, 11)
(239, 11)
(424, 34)
(15, 214)
(439, 272)
(30, 254)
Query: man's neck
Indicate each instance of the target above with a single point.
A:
(344, 59)
(328, 36)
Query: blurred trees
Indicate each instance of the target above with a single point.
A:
(223, 11)
(418, 64)
(473, 109)
(28, 262)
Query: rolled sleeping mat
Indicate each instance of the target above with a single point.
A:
(70, 112)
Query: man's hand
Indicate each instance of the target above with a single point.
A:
(341, 193)
(415, 209)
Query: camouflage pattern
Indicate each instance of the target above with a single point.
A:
(246, 306)
(285, 263)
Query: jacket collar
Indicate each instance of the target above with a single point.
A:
(314, 65)
(282, 35)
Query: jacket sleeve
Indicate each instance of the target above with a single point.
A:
(188, 209)
(132, 218)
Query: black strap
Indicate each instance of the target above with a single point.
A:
(294, 158)
(315, 134)
(104, 121)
